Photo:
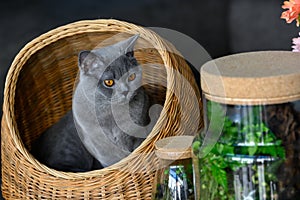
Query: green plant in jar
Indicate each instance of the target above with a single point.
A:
(243, 161)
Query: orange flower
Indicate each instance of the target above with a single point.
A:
(293, 12)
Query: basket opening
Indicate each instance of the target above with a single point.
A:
(45, 85)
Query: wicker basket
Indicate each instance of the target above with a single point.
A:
(38, 92)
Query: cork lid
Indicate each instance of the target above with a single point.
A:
(174, 148)
(264, 77)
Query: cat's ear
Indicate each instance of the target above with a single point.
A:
(88, 62)
(81, 57)
(130, 54)
(130, 42)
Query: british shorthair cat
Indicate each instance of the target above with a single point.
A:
(109, 116)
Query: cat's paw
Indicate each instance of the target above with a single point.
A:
(154, 112)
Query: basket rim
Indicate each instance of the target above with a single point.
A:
(79, 27)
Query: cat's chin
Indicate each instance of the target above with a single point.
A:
(121, 101)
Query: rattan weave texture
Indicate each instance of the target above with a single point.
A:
(38, 92)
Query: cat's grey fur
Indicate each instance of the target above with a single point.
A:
(60, 148)
(110, 122)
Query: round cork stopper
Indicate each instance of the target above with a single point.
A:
(174, 148)
(264, 77)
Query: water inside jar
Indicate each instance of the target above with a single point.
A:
(255, 178)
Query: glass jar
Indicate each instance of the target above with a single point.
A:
(249, 148)
(174, 177)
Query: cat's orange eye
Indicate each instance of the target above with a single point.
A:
(109, 82)
(131, 77)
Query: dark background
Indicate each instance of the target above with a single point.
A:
(222, 27)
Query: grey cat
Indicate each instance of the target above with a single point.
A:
(60, 148)
(109, 117)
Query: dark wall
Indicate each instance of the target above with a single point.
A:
(220, 26)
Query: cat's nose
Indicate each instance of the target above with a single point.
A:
(125, 93)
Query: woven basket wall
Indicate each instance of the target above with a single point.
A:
(38, 92)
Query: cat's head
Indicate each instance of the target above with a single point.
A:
(114, 68)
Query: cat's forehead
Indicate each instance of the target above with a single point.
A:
(119, 68)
